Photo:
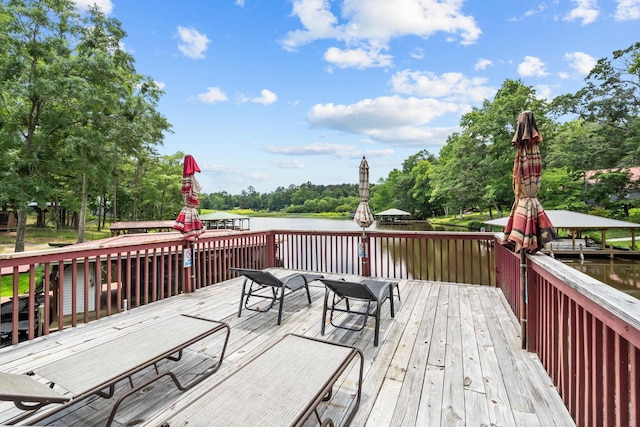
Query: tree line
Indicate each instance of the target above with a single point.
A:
(80, 132)
(590, 140)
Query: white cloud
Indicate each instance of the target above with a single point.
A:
(376, 153)
(410, 136)
(310, 149)
(418, 53)
(367, 26)
(532, 67)
(581, 62)
(318, 149)
(483, 64)
(627, 10)
(266, 97)
(288, 164)
(393, 120)
(212, 95)
(357, 58)
(541, 8)
(106, 6)
(192, 44)
(240, 3)
(586, 11)
(449, 86)
(215, 177)
(317, 20)
(543, 92)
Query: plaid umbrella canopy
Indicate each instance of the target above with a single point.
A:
(364, 216)
(188, 221)
(528, 226)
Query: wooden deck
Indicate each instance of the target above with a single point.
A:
(451, 357)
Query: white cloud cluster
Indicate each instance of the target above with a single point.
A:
(193, 44)
(581, 62)
(216, 176)
(449, 86)
(585, 11)
(212, 95)
(627, 10)
(390, 119)
(483, 64)
(336, 150)
(266, 97)
(309, 149)
(532, 67)
(357, 58)
(367, 26)
(106, 6)
(288, 164)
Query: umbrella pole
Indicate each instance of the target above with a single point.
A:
(366, 267)
(523, 297)
(189, 271)
(192, 282)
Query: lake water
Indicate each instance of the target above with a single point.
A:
(622, 274)
(258, 223)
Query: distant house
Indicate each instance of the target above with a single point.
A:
(634, 171)
(635, 178)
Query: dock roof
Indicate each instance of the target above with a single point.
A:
(574, 220)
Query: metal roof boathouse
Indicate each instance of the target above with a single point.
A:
(575, 223)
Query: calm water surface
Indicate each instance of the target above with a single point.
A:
(622, 274)
(258, 223)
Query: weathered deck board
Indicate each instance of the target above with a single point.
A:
(451, 356)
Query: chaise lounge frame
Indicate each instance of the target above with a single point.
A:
(282, 386)
(372, 292)
(257, 280)
(96, 370)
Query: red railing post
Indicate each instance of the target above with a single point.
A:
(271, 250)
(531, 307)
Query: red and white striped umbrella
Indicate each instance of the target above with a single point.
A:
(528, 226)
(188, 221)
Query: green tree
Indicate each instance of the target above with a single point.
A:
(562, 189)
(610, 99)
(611, 190)
(475, 167)
(67, 92)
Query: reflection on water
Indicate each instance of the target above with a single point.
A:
(622, 274)
(258, 223)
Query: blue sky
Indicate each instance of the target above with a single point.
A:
(269, 93)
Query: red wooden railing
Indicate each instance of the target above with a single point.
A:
(93, 280)
(439, 256)
(586, 334)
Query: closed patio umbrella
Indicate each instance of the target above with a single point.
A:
(188, 221)
(364, 217)
(528, 227)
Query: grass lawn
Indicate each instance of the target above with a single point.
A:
(6, 286)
